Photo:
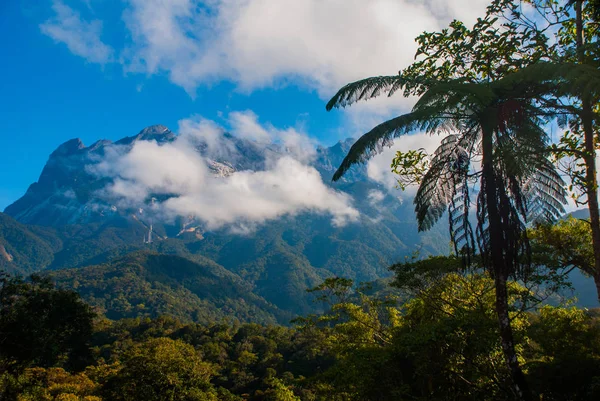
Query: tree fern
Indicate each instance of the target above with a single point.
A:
(365, 89)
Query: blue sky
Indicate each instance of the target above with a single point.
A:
(105, 69)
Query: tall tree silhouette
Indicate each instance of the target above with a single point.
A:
(497, 150)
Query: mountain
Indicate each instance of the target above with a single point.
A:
(150, 284)
(66, 192)
(278, 259)
(580, 213)
(26, 249)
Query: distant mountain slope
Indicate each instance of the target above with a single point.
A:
(26, 249)
(151, 284)
(67, 192)
(278, 258)
(581, 214)
(84, 242)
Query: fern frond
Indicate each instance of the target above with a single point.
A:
(456, 94)
(382, 135)
(461, 230)
(568, 79)
(365, 89)
(447, 172)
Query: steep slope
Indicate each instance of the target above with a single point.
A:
(152, 284)
(84, 242)
(67, 192)
(25, 249)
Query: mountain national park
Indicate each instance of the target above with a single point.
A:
(273, 200)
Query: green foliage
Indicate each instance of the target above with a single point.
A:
(51, 384)
(454, 324)
(41, 325)
(410, 167)
(565, 346)
(161, 369)
(333, 290)
(442, 344)
(418, 275)
(149, 284)
(25, 249)
(568, 154)
(565, 244)
(279, 391)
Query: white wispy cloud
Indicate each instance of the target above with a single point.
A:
(287, 186)
(81, 37)
(320, 44)
(316, 44)
(297, 143)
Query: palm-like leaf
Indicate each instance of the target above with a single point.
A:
(438, 110)
(365, 89)
(372, 143)
(446, 98)
(562, 79)
(450, 95)
(438, 187)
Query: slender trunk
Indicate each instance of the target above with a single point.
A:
(597, 282)
(521, 388)
(592, 190)
(500, 268)
(590, 150)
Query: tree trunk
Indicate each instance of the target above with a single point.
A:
(597, 282)
(592, 191)
(499, 265)
(590, 157)
(521, 388)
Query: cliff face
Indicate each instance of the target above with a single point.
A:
(67, 192)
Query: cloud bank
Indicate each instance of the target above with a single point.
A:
(317, 44)
(239, 199)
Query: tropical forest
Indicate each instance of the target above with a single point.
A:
(238, 262)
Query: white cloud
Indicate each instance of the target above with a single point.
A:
(247, 196)
(197, 131)
(298, 144)
(257, 43)
(317, 44)
(287, 186)
(375, 197)
(245, 125)
(81, 37)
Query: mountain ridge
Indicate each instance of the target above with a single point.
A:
(278, 259)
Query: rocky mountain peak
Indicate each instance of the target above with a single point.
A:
(68, 148)
(67, 191)
(158, 133)
(157, 129)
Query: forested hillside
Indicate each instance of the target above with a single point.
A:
(210, 265)
(442, 344)
(146, 284)
(26, 249)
